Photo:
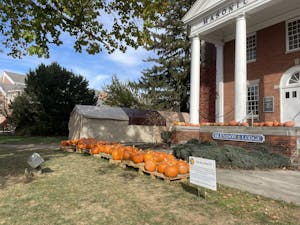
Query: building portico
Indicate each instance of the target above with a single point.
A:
(220, 22)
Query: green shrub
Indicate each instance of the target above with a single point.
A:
(232, 156)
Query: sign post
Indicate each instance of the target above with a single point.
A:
(203, 173)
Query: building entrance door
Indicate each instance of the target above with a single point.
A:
(290, 97)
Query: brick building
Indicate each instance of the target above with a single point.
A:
(11, 85)
(254, 71)
(257, 60)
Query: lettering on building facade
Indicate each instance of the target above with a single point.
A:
(222, 12)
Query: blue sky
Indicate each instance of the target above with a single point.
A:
(97, 69)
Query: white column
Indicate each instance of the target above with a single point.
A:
(240, 74)
(219, 84)
(195, 81)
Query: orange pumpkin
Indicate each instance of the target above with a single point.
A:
(183, 167)
(233, 123)
(126, 155)
(244, 124)
(137, 157)
(117, 154)
(275, 123)
(269, 124)
(171, 171)
(289, 124)
(81, 146)
(150, 166)
(149, 156)
(94, 151)
(161, 167)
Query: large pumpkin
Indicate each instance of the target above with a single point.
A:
(171, 171)
(137, 157)
(150, 165)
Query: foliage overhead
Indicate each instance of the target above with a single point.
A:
(31, 26)
(122, 95)
(167, 82)
(50, 95)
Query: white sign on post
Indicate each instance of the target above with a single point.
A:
(203, 172)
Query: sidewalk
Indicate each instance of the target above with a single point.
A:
(276, 184)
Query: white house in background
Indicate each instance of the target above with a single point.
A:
(11, 85)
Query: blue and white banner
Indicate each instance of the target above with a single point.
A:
(258, 138)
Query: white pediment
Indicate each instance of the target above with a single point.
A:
(199, 7)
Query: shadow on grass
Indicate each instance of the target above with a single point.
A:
(13, 162)
(189, 188)
(128, 175)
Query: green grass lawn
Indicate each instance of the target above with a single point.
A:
(29, 139)
(80, 189)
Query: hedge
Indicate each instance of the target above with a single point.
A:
(229, 156)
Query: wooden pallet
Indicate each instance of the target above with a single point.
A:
(80, 150)
(71, 148)
(179, 178)
(105, 156)
(115, 162)
(128, 163)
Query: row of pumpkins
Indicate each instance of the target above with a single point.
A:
(245, 124)
(161, 162)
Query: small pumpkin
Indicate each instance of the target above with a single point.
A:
(244, 124)
(233, 123)
(269, 124)
(289, 124)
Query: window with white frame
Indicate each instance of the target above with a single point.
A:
(253, 99)
(293, 34)
(251, 48)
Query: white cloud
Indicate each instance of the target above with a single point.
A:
(132, 57)
(101, 77)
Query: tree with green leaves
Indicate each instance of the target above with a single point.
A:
(167, 82)
(31, 26)
(50, 95)
(122, 94)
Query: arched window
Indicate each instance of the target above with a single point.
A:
(295, 78)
